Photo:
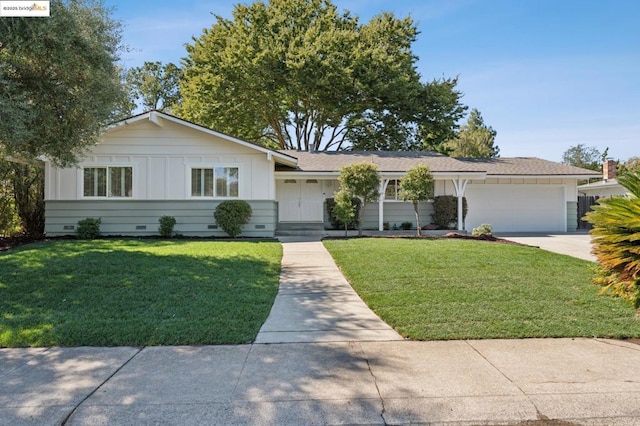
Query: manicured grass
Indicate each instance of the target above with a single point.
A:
(136, 292)
(439, 289)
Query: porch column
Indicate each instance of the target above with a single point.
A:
(383, 188)
(460, 186)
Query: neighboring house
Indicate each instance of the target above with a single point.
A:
(607, 187)
(155, 164)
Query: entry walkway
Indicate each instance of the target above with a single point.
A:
(316, 304)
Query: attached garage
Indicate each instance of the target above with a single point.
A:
(517, 207)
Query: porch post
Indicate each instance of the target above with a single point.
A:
(460, 186)
(383, 187)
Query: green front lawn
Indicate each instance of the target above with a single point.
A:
(132, 292)
(459, 289)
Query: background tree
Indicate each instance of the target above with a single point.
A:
(344, 210)
(155, 85)
(616, 232)
(299, 74)
(474, 140)
(417, 186)
(360, 180)
(587, 157)
(59, 87)
(629, 166)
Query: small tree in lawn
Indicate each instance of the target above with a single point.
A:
(344, 210)
(615, 234)
(417, 186)
(362, 181)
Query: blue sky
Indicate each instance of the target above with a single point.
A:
(546, 75)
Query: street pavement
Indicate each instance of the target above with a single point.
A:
(325, 360)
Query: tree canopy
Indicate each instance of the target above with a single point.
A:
(298, 74)
(474, 140)
(360, 180)
(587, 157)
(59, 80)
(154, 85)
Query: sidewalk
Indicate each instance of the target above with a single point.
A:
(580, 381)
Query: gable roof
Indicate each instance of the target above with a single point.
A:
(401, 161)
(156, 117)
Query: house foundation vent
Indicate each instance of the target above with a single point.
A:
(68, 227)
(212, 227)
(141, 227)
(260, 227)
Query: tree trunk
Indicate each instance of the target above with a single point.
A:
(415, 208)
(361, 217)
(28, 192)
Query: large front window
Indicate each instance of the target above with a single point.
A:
(108, 182)
(214, 182)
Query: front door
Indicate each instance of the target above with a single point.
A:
(300, 200)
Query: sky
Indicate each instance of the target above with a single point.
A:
(545, 74)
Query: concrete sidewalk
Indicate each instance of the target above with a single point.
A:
(315, 303)
(579, 381)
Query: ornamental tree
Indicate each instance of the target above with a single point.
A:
(362, 181)
(417, 186)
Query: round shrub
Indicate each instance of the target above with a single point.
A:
(231, 215)
(89, 228)
(484, 229)
(445, 210)
(166, 226)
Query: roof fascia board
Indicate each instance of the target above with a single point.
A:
(554, 176)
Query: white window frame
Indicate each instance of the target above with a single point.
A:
(397, 191)
(108, 183)
(189, 172)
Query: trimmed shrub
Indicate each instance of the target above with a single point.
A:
(89, 228)
(337, 224)
(445, 210)
(406, 226)
(166, 226)
(616, 240)
(231, 215)
(484, 229)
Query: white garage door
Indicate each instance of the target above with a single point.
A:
(517, 208)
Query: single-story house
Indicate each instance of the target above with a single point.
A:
(156, 164)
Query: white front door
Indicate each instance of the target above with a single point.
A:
(300, 200)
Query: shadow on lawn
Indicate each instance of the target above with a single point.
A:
(133, 293)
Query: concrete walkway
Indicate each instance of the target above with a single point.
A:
(315, 303)
(575, 244)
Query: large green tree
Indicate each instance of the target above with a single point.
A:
(474, 140)
(155, 86)
(298, 74)
(587, 157)
(59, 84)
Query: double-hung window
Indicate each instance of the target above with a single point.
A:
(108, 182)
(221, 182)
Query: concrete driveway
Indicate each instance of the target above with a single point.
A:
(576, 244)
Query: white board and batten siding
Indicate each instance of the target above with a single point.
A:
(161, 158)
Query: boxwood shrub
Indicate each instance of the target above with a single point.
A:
(231, 215)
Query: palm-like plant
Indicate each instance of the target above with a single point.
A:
(616, 240)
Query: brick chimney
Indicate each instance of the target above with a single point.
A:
(608, 170)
